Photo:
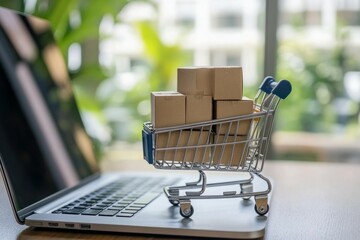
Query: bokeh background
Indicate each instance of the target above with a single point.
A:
(119, 51)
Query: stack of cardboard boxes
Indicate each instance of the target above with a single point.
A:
(203, 94)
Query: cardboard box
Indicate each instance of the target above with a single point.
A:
(232, 154)
(194, 80)
(184, 139)
(198, 109)
(225, 109)
(167, 109)
(227, 83)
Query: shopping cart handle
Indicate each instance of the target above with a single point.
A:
(266, 84)
(281, 89)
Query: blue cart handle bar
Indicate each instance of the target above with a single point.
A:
(281, 89)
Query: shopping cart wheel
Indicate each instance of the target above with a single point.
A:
(261, 210)
(246, 198)
(174, 202)
(186, 209)
(246, 188)
(187, 212)
(261, 204)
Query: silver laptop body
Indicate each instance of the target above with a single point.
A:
(47, 160)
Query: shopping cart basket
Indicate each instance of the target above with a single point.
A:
(217, 146)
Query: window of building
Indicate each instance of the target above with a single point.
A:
(185, 14)
(312, 18)
(227, 20)
(349, 17)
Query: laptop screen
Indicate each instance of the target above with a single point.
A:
(43, 144)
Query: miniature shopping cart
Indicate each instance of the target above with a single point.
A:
(218, 145)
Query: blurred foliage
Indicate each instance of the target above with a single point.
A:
(316, 74)
(78, 21)
(58, 13)
(317, 77)
(157, 74)
(163, 59)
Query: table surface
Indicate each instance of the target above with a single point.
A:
(311, 200)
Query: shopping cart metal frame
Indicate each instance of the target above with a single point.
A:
(197, 147)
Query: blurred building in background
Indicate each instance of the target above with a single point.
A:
(318, 50)
(213, 33)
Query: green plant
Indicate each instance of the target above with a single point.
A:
(158, 73)
(76, 21)
(317, 79)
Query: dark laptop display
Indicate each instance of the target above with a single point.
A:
(40, 156)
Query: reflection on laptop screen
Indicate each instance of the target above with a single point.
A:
(43, 143)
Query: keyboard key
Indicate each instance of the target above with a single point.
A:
(102, 205)
(74, 211)
(113, 199)
(125, 215)
(92, 212)
(115, 208)
(108, 202)
(85, 205)
(97, 208)
(108, 212)
(139, 204)
(129, 211)
(130, 198)
(95, 199)
(134, 207)
(147, 198)
(120, 205)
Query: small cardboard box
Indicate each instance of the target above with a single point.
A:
(192, 140)
(167, 109)
(198, 108)
(231, 154)
(225, 109)
(227, 83)
(194, 80)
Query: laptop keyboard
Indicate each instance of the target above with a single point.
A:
(122, 198)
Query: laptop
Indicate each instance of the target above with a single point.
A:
(49, 168)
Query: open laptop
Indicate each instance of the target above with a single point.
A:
(49, 168)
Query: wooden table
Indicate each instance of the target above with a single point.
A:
(310, 201)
